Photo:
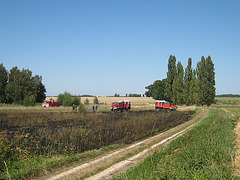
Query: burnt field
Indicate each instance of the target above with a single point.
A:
(24, 134)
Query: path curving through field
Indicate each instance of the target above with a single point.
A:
(119, 161)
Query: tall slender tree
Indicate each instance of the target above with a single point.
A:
(3, 83)
(210, 73)
(193, 90)
(177, 86)
(206, 81)
(188, 79)
(171, 74)
(201, 79)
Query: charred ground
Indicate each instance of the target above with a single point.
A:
(25, 134)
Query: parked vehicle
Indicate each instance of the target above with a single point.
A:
(50, 103)
(162, 104)
(121, 105)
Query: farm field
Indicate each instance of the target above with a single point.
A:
(109, 100)
(28, 134)
(47, 138)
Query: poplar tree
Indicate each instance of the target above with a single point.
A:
(193, 89)
(210, 73)
(188, 80)
(206, 81)
(177, 86)
(201, 76)
(171, 74)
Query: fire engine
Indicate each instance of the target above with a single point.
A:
(162, 104)
(121, 105)
(50, 103)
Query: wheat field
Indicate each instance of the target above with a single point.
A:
(109, 100)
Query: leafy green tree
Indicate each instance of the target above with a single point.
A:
(156, 90)
(39, 89)
(76, 101)
(210, 73)
(29, 100)
(159, 89)
(202, 80)
(188, 80)
(26, 83)
(171, 74)
(21, 84)
(193, 90)
(3, 83)
(177, 87)
(206, 81)
(60, 98)
(149, 92)
(95, 100)
(86, 101)
(65, 99)
(13, 88)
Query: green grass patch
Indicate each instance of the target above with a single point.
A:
(205, 152)
(227, 100)
(33, 167)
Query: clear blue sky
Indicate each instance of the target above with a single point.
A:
(103, 47)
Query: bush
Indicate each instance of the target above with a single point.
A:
(82, 109)
(95, 100)
(65, 99)
(86, 102)
(60, 98)
(29, 100)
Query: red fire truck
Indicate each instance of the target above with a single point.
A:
(50, 103)
(162, 104)
(121, 105)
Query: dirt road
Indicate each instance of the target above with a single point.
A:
(119, 161)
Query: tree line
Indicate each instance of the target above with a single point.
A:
(228, 95)
(20, 86)
(192, 86)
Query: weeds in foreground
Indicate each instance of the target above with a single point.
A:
(203, 153)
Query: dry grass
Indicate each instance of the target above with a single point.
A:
(109, 100)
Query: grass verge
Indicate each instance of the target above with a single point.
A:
(205, 152)
(41, 165)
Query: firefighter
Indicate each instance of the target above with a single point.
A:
(93, 108)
